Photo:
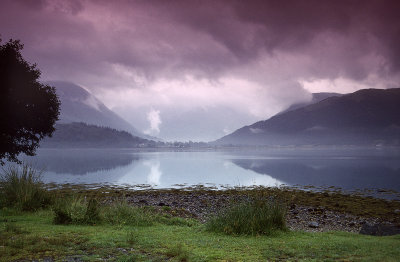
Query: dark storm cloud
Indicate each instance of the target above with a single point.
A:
(246, 28)
(367, 26)
(210, 37)
(70, 6)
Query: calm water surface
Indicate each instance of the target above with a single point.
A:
(348, 169)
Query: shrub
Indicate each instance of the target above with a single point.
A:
(256, 217)
(76, 210)
(22, 188)
(62, 214)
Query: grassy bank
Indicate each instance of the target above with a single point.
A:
(34, 235)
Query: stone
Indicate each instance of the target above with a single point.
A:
(313, 224)
(379, 229)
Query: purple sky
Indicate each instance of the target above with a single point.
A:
(153, 60)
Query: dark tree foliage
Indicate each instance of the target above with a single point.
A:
(28, 109)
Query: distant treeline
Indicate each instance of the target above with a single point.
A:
(82, 135)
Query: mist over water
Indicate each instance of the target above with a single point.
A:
(348, 169)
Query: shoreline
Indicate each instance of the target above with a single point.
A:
(309, 211)
(34, 236)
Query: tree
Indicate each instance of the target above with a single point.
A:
(28, 109)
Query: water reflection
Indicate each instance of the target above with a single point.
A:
(348, 169)
(356, 172)
(153, 178)
(176, 169)
(157, 169)
(81, 161)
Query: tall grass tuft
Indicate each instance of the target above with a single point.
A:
(121, 213)
(76, 210)
(92, 215)
(22, 188)
(255, 217)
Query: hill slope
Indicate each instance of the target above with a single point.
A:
(82, 135)
(365, 117)
(78, 105)
(316, 97)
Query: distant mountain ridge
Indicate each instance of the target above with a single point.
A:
(82, 135)
(78, 105)
(365, 117)
(315, 98)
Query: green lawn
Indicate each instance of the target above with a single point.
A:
(33, 236)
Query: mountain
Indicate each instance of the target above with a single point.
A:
(316, 97)
(82, 135)
(78, 105)
(365, 117)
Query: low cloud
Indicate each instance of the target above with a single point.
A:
(155, 121)
(256, 130)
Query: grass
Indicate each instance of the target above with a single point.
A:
(22, 188)
(254, 217)
(34, 236)
(80, 211)
(79, 227)
(180, 252)
(121, 213)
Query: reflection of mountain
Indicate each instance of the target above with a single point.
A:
(82, 161)
(345, 173)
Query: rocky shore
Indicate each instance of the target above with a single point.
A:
(201, 205)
